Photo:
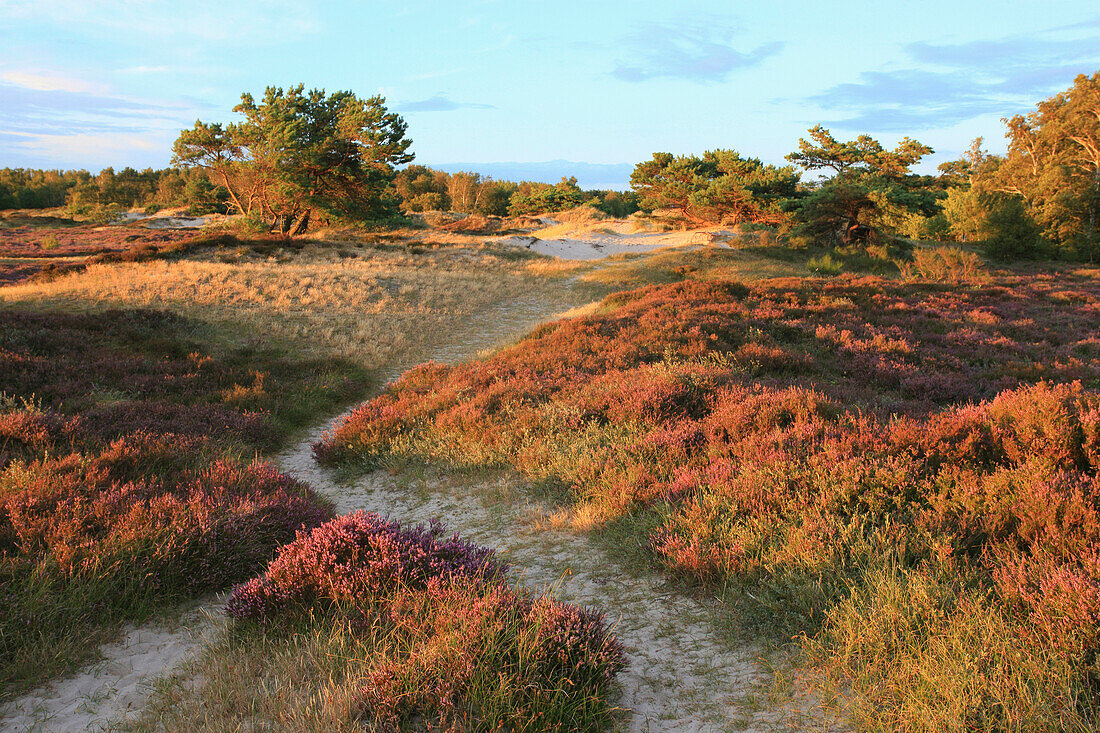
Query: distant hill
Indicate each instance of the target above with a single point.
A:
(610, 176)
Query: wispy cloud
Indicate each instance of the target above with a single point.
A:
(50, 82)
(57, 122)
(958, 82)
(440, 103)
(67, 148)
(146, 70)
(699, 53)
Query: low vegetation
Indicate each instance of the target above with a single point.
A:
(377, 300)
(439, 639)
(126, 481)
(832, 414)
(871, 464)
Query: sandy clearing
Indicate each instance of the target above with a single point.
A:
(607, 238)
(168, 219)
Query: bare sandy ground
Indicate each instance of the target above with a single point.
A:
(168, 219)
(120, 683)
(594, 241)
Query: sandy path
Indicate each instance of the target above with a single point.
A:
(121, 682)
(680, 677)
(118, 684)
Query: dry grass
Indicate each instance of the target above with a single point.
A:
(749, 263)
(375, 306)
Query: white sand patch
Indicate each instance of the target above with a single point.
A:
(168, 219)
(119, 684)
(594, 241)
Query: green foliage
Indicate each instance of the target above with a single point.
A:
(542, 198)
(966, 213)
(297, 152)
(847, 210)
(422, 189)
(82, 192)
(935, 228)
(864, 154)
(719, 187)
(495, 197)
(1053, 163)
(872, 197)
(1010, 233)
(22, 188)
(825, 264)
(616, 204)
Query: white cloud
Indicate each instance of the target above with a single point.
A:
(91, 150)
(48, 82)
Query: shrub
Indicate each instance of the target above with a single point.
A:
(470, 652)
(356, 559)
(821, 449)
(1010, 232)
(945, 264)
(825, 264)
(115, 501)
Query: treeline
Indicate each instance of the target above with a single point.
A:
(1041, 199)
(425, 189)
(109, 192)
(337, 157)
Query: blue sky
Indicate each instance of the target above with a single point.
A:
(94, 83)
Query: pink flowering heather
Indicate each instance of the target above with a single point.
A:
(473, 654)
(358, 558)
(804, 439)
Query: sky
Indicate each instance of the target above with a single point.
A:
(517, 88)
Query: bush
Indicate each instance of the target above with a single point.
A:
(825, 264)
(359, 558)
(1010, 232)
(945, 264)
(471, 652)
(119, 489)
(827, 451)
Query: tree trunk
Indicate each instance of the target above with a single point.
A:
(303, 224)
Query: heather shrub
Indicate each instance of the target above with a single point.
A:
(121, 487)
(358, 558)
(452, 645)
(821, 450)
(87, 540)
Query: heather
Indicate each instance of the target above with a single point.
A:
(902, 475)
(30, 241)
(125, 477)
(439, 639)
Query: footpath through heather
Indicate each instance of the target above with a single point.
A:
(682, 674)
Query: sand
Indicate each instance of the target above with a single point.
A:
(596, 240)
(121, 682)
(681, 675)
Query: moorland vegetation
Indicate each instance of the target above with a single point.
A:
(894, 463)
